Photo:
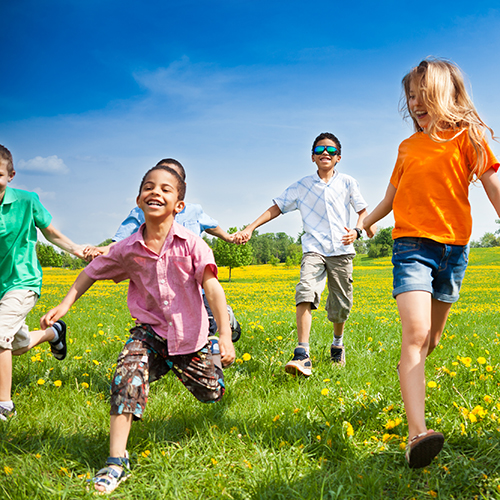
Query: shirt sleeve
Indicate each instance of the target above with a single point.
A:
(202, 257)
(108, 267)
(130, 225)
(288, 200)
(206, 222)
(41, 215)
(357, 200)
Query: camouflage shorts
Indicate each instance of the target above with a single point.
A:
(145, 359)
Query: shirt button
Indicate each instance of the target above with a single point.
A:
(162, 281)
(170, 323)
(166, 302)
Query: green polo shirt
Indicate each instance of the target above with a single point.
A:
(20, 214)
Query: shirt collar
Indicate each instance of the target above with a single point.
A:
(9, 196)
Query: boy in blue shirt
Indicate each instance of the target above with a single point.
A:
(21, 277)
(324, 200)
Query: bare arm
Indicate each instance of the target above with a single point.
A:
(352, 234)
(381, 210)
(57, 238)
(270, 214)
(217, 302)
(491, 185)
(220, 233)
(78, 288)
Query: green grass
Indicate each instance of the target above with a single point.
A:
(272, 436)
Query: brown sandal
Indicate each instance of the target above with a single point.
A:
(422, 448)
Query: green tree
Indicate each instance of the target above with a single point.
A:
(381, 244)
(231, 255)
(47, 256)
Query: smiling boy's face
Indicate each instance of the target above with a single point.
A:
(325, 161)
(5, 177)
(159, 196)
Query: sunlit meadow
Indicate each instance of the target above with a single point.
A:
(339, 434)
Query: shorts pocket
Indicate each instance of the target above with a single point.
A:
(406, 245)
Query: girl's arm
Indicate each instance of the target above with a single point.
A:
(381, 210)
(217, 302)
(244, 235)
(491, 185)
(78, 288)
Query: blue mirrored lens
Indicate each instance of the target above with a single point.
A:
(329, 149)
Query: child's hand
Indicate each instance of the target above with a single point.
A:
(92, 252)
(370, 231)
(52, 316)
(227, 353)
(79, 251)
(350, 237)
(241, 237)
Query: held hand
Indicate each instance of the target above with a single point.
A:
(52, 316)
(80, 250)
(241, 237)
(370, 231)
(92, 252)
(230, 238)
(227, 353)
(350, 237)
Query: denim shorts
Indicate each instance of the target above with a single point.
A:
(424, 264)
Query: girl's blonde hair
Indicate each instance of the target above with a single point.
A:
(441, 88)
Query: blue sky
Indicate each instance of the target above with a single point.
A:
(94, 93)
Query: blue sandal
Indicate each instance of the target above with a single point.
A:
(59, 348)
(110, 478)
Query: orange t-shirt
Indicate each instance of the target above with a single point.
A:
(432, 188)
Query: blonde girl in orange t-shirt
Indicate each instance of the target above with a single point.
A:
(428, 193)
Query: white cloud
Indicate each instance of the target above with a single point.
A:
(39, 165)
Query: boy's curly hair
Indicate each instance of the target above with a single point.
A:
(6, 155)
(331, 137)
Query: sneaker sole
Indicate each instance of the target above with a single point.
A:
(294, 369)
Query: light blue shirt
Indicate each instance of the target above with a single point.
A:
(192, 217)
(325, 211)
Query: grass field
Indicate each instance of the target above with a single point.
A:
(339, 434)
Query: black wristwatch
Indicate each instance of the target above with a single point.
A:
(359, 231)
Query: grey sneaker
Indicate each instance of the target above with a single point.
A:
(7, 414)
(337, 354)
(300, 364)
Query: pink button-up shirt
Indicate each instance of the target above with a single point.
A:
(164, 290)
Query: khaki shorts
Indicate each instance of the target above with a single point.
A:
(314, 270)
(14, 307)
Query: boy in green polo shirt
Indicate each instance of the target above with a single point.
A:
(21, 277)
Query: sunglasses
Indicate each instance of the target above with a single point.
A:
(329, 149)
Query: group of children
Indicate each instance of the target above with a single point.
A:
(173, 275)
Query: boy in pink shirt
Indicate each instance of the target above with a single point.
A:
(167, 266)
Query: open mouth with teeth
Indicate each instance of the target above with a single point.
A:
(154, 203)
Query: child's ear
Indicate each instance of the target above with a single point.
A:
(179, 207)
(137, 200)
(11, 176)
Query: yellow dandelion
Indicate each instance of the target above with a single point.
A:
(432, 384)
(488, 399)
(8, 470)
(481, 360)
(276, 418)
(57, 383)
(214, 462)
(324, 392)
(85, 385)
(41, 381)
(246, 357)
(489, 368)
